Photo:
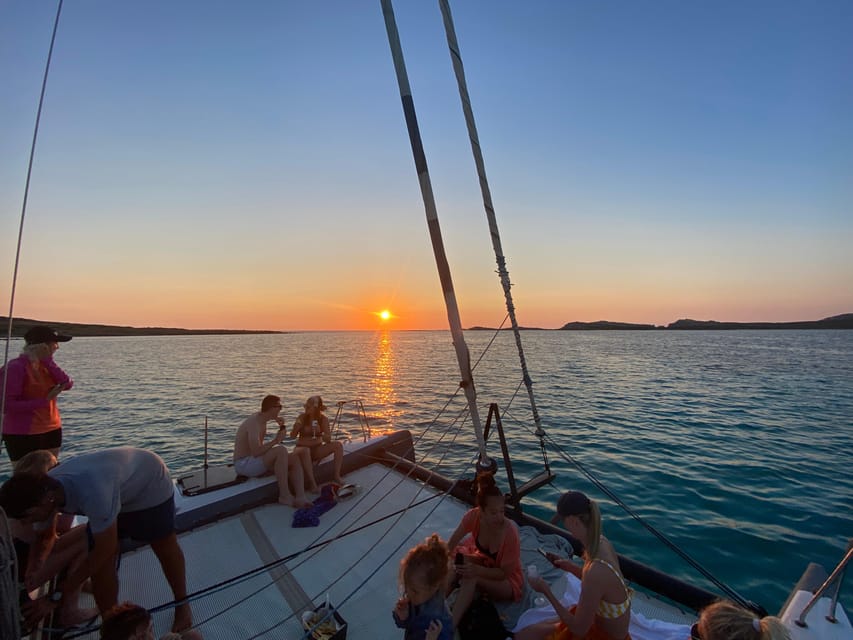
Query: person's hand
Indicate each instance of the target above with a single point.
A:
(433, 630)
(55, 390)
(402, 608)
(563, 563)
(467, 569)
(538, 584)
(36, 610)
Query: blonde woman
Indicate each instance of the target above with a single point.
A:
(33, 381)
(725, 620)
(603, 611)
(313, 432)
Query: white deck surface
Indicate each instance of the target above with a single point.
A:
(358, 571)
(239, 544)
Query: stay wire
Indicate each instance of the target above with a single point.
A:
(729, 591)
(24, 213)
(249, 574)
(317, 546)
(376, 543)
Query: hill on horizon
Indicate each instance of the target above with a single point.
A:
(21, 325)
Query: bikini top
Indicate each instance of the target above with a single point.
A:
(609, 610)
(484, 551)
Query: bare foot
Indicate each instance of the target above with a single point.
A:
(73, 617)
(183, 618)
(287, 501)
(338, 480)
(302, 503)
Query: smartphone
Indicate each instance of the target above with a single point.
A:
(459, 559)
(550, 557)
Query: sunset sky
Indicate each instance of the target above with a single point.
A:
(246, 165)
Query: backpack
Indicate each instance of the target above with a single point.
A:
(482, 622)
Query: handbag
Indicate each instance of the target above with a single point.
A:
(482, 622)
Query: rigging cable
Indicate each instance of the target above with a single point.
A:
(24, 214)
(503, 273)
(730, 592)
(317, 545)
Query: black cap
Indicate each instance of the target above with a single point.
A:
(40, 334)
(572, 503)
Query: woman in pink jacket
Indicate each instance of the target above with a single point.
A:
(490, 551)
(33, 381)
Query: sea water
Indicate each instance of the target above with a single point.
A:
(737, 446)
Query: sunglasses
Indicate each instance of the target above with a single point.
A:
(694, 632)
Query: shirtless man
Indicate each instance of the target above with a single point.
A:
(253, 457)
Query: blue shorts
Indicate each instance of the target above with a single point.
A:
(147, 525)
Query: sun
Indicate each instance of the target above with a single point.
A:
(385, 315)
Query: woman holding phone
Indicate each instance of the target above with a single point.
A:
(603, 611)
(33, 381)
(488, 555)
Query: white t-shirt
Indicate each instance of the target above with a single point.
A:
(102, 484)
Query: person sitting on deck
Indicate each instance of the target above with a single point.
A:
(491, 556)
(725, 620)
(422, 610)
(603, 611)
(34, 570)
(313, 434)
(253, 457)
(125, 493)
(128, 621)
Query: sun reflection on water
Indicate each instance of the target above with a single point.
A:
(384, 392)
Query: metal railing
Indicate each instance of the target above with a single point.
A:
(837, 577)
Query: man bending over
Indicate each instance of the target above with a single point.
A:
(125, 493)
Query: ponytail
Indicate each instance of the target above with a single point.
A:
(724, 620)
(592, 520)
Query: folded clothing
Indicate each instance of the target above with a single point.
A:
(310, 516)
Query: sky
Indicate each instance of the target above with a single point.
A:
(246, 165)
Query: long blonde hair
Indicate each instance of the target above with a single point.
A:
(725, 620)
(37, 462)
(592, 521)
(37, 351)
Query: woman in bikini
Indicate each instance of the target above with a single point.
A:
(604, 608)
(491, 557)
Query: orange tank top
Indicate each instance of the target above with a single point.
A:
(37, 384)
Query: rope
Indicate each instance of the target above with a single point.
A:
(731, 593)
(318, 544)
(23, 216)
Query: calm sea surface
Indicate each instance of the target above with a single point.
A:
(737, 445)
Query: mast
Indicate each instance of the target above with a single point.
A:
(462, 354)
(459, 70)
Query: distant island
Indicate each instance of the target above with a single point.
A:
(844, 321)
(21, 325)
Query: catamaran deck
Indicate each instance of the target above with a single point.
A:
(361, 541)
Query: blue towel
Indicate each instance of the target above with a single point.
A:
(310, 516)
